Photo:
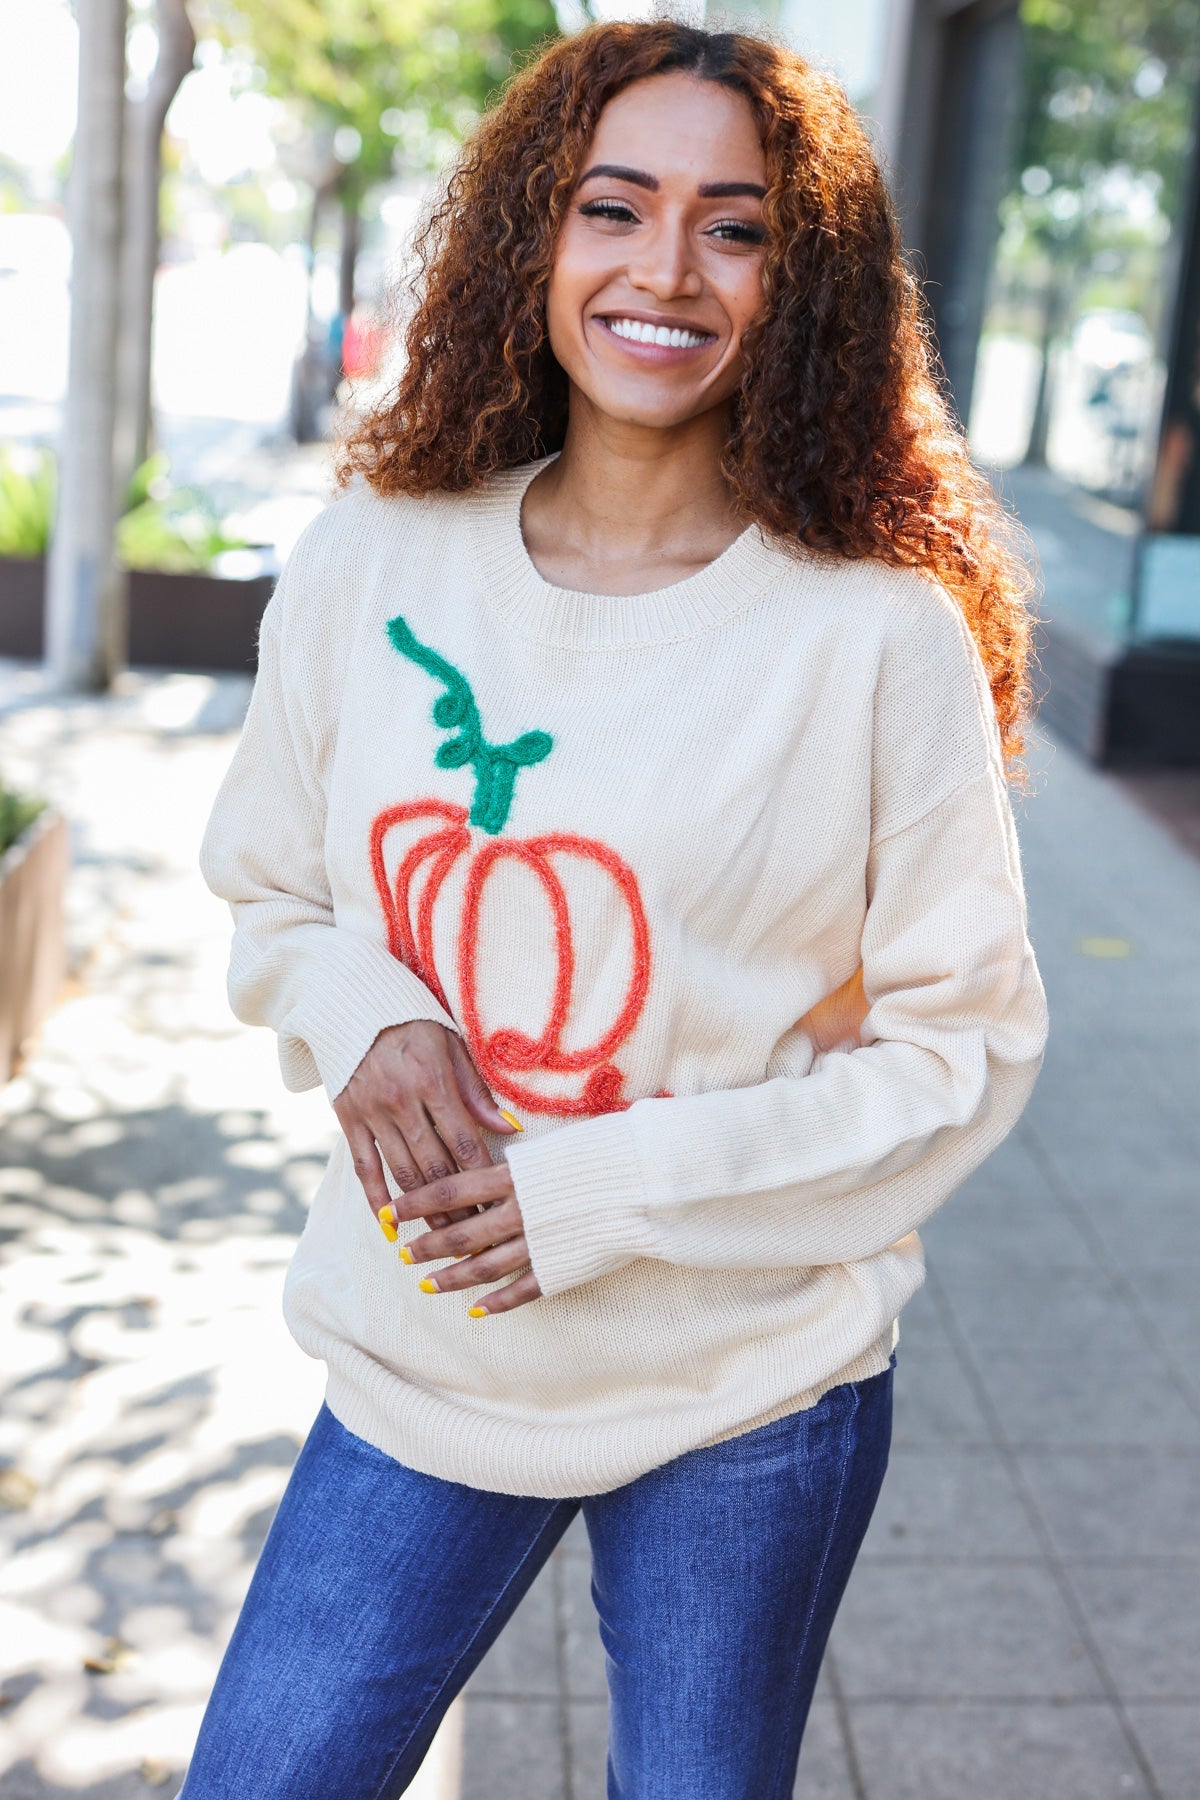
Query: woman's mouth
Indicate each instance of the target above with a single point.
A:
(653, 343)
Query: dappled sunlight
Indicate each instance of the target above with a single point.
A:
(154, 1177)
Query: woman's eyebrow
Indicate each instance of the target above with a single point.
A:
(708, 190)
(614, 172)
(729, 190)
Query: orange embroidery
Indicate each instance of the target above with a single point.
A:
(503, 1055)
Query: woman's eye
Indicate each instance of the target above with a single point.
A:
(741, 233)
(607, 209)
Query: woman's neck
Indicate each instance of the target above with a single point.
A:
(626, 508)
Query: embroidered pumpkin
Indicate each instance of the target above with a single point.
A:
(503, 1055)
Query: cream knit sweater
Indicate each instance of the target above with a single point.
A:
(645, 852)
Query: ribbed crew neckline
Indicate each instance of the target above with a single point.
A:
(569, 617)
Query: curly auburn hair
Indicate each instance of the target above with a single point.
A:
(841, 438)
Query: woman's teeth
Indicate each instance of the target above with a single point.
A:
(642, 333)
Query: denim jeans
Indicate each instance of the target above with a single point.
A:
(716, 1578)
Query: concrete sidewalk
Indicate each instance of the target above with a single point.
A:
(1022, 1622)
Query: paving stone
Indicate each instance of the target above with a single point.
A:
(512, 1750)
(583, 1653)
(587, 1736)
(574, 1541)
(1067, 1311)
(933, 1402)
(936, 1631)
(1170, 1737)
(1103, 1400)
(1117, 1504)
(1119, 1152)
(949, 1501)
(523, 1662)
(1013, 1752)
(1147, 1230)
(1002, 1232)
(1170, 1293)
(1147, 1624)
(824, 1772)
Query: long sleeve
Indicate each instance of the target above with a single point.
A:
(327, 991)
(842, 1161)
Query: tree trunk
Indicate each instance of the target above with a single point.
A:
(349, 255)
(85, 613)
(143, 175)
(1056, 305)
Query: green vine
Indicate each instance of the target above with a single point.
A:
(495, 765)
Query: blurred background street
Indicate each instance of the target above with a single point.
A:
(1021, 1624)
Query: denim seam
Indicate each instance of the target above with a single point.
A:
(382, 1793)
(829, 1536)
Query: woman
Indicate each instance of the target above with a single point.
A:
(625, 770)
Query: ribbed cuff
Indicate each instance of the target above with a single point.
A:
(354, 990)
(582, 1199)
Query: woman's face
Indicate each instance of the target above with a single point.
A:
(664, 234)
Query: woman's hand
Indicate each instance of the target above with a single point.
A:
(417, 1101)
(490, 1244)
(834, 1023)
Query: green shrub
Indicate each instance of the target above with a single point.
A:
(162, 527)
(181, 533)
(27, 499)
(17, 813)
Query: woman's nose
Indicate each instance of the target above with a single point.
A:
(665, 266)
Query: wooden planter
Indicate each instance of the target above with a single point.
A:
(175, 621)
(22, 603)
(33, 960)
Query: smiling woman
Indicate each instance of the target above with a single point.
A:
(630, 749)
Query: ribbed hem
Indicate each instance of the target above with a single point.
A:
(568, 617)
(353, 990)
(581, 1194)
(549, 1462)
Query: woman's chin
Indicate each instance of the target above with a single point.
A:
(644, 411)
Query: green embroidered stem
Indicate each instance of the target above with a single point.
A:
(495, 765)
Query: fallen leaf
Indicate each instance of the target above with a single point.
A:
(1107, 948)
(111, 1658)
(17, 1490)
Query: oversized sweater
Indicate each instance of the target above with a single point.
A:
(719, 883)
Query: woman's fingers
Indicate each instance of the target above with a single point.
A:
(489, 1265)
(456, 1128)
(398, 1154)
(367, 1164)
(475, 1092)
(472, 1237)
(488, 1246)
(518, 1293)
(458, 1193)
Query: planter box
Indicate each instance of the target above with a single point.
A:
(1126, 706)
(175, 621)
(33, 958)
(22, 604)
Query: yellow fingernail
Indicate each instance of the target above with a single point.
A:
(406, 1255)
(387, 1223)
(477, 1312)
(505, 1114)
(429, 1287)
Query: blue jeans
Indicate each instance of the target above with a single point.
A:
(716, 1578)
